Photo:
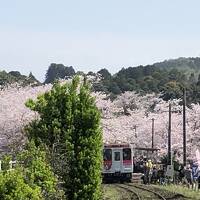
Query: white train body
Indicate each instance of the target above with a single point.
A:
(118, 163)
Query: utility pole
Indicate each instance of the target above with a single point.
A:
(184, 127)
(152, 146)
(135, 127)
(169, 134)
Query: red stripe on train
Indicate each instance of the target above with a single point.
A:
(127, 162)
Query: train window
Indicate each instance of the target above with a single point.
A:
(117, 156)
(107, 154)
(126, 154)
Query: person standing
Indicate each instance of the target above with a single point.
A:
(198, 179)
(149, 168)
(195, 175)
(188, 176)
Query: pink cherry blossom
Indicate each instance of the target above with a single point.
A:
(134, 127)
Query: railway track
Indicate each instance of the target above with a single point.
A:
(134, 194)
(156, 194)
(131, 191)
(138, 195)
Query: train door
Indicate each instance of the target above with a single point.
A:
(127, 160)
(117, 160)
(107, 158)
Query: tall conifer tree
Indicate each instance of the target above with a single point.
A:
(84, 143)
(70, 120)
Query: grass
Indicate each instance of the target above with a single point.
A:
(189, 193)
(110, 193)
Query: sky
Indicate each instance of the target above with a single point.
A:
(94, 34)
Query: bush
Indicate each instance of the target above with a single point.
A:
(14, 187)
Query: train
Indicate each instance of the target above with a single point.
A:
(117, 162)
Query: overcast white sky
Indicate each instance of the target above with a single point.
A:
(93, 34)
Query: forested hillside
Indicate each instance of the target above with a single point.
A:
(167, 78)
(58, 71)
(16, 77)
(188, 65)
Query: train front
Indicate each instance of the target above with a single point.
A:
(118, 164)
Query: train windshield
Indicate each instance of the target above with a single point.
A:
(107, 155)
(127, 154)
(117, 156)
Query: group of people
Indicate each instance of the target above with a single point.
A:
(189, 175)
(157, 173)
(151, 172)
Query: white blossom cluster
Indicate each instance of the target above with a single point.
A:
(134, 124)
(127, 119)
(14, 115)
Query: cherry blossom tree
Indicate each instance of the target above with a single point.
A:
(125, 119)
(14, 115)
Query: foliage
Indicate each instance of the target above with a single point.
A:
(5, 162)
(111, 192)
(172, 90)
(104, 73)
(31, 178)
(58, 71)
(70, 126)
(38, 172)
(168, 78)
(187, 192)
(13, 186)
(16, 77)
(84, 146)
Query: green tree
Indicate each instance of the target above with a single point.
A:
(172, 90)
(192, 79)
(37, 170)
(57, 71)
(13, 186)
(105, 74)
(15, 74)
(5, 165)
(198, 81)
(31, 178)
(70, 123)
(114, 88)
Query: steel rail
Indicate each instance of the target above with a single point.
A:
(149, 190)
(127, 188)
